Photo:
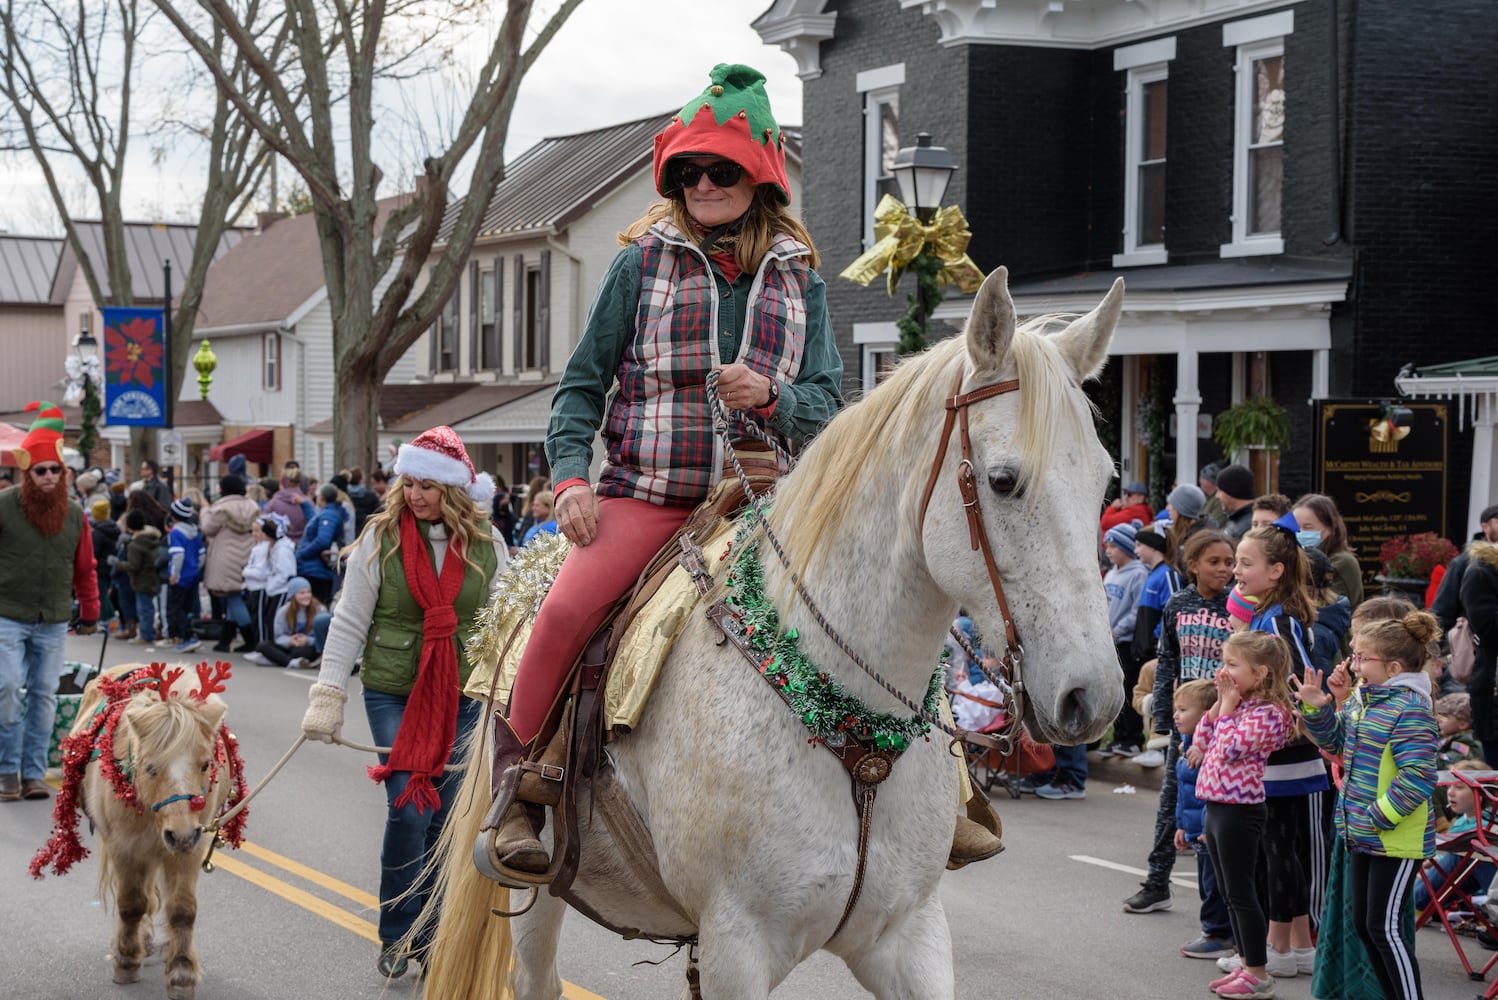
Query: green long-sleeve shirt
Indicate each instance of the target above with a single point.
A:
(581, 400)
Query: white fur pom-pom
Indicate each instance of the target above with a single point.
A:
(482, 489)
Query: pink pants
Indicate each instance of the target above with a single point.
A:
(591, 579)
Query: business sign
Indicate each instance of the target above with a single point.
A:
(134, 367)
(1388, 480)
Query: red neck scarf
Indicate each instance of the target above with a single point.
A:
(424, 741)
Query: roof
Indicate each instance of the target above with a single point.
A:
(186, 413)
(147, 245)
(454, 409)
(400, 400)
(27, 265)
(1471, 368)
(270, 274)
(1237, 272)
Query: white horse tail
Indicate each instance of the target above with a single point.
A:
(470, 954)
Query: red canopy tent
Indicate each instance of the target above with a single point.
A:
(255, 446)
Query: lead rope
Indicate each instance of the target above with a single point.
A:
(755, 514)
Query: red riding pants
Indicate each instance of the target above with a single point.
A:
(591, 579)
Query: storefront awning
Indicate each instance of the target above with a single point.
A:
(255, 446)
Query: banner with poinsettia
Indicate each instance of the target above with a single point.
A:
(134, 367)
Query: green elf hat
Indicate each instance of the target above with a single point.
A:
(731, 119)
(43, 441)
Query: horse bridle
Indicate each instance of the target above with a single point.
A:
(967, 485)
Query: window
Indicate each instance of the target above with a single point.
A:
(531, 355)
(1146, 95)
(489, 318)
(1259, 133)
(879, 344)
(270, 362)
(446, 356)
(881, 137)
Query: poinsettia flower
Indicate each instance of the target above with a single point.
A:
(133, 351)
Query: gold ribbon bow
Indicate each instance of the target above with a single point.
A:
(898, 238)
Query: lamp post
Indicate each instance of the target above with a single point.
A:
(83, 384)
(923, 172)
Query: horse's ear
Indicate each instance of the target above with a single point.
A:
(212, 713)
(1084, 343)
(990, 328)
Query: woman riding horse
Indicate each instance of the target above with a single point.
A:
(717, 277)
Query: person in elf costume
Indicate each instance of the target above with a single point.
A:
(46, 559)
(418, 575)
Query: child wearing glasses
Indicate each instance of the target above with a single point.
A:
(1386, 733)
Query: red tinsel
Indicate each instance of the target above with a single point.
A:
(64, 848)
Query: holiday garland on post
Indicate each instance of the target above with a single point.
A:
(831, 713)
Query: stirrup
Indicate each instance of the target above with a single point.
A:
(487, 859)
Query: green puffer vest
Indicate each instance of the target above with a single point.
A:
(392, 653)
(36, 573)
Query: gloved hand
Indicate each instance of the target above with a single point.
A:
(324, 716)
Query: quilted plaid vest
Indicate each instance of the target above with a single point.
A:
(658, 432)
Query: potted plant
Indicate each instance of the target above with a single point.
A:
(1259, 426)
(1409, 560)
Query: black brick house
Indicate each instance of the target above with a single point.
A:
(1299, 195)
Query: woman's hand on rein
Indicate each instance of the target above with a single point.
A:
(577, 514)
(741, 388)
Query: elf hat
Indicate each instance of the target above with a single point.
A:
(438, 456)
(731, 119)
(43, 442)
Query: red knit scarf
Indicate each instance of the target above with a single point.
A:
(424, 741)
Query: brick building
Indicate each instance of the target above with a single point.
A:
(1297, 194)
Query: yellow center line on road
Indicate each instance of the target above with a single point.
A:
(321, 907)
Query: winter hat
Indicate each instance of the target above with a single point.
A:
(1237, 482)
(1123, 535)
(1319, 566)
(339, 480)
(183, 510)
(1210, 472)
(1458, 706)
(296, 585)
(135, 521)
(731, 119)
(1137, 487)
(238, 465)
(43, 441)
(1153, 539)
(1188, 500)
(230, 485)
(86, 482)
(99, 511)
(437, 455)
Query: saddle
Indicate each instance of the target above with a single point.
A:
(568, 756)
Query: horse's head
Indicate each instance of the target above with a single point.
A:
(1040, 474)
(170, 745)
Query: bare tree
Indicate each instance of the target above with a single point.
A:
(344, 49)
(69, 72)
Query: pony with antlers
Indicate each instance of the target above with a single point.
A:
(153, 767)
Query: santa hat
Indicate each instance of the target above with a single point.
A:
(731, 119)
(438, 456)
(43, 442)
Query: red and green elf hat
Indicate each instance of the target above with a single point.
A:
(43, 441)
(731, 119)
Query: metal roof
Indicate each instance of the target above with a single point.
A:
(27, 265)
(1471, 368)
(1230, 273)
(147, 244)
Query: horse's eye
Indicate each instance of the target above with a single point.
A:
(151, 770)
(1005, 482)
(204, 768)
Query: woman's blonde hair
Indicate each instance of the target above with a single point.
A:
(535, 486)
(1264, 649)
(765, 219)
(466, 524)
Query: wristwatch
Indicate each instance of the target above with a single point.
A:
(774, 395)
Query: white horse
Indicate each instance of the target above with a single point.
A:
(755, 829)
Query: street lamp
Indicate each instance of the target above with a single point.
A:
(83, 383)
(923, 172)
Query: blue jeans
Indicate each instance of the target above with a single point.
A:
(1475, 881)
(145, 610)
(31, 658)
(410, 835)
(320, 635)
(1071, 762)
(235, 610)
(125, 599)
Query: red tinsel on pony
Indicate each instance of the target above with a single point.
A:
(64, 848)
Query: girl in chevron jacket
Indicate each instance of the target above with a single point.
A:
(1252, 719)
(1386, 734)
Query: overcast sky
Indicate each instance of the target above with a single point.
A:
(614, 60)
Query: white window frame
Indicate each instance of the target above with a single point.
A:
(879, 87)
(1254, 39)
(873, 340)
(270, 362)
(1134, 254)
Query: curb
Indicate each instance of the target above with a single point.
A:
(1122, 771)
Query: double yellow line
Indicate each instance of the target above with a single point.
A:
(321, 907)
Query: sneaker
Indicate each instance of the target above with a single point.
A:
(1150, 758)
(296, 663)
(1231, 963)
(1222, 981)
(187, 645)
(256, 657)
(1207, 947)
(1246, 987)
(139, 640)
(1060, 788)
(1280, 964)
(1305, 960)
(1147, 900)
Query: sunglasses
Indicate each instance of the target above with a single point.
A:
(47, 470)
(723, 174)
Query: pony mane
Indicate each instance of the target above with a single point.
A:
(165, 730)
(890, 433)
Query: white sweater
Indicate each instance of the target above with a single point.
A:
(354, 612)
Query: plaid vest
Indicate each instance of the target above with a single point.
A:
(658, 432)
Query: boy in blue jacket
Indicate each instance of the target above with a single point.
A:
(1192, 700)
(184, 570)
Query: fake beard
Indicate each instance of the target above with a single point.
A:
(47, 512)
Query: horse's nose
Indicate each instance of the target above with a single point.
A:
(181, 840)
(1072, 713)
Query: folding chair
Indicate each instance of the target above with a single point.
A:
(1447, 897)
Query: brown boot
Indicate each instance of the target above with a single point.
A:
(977, 835)
(513, 842)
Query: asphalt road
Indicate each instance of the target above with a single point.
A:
(292, 914)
